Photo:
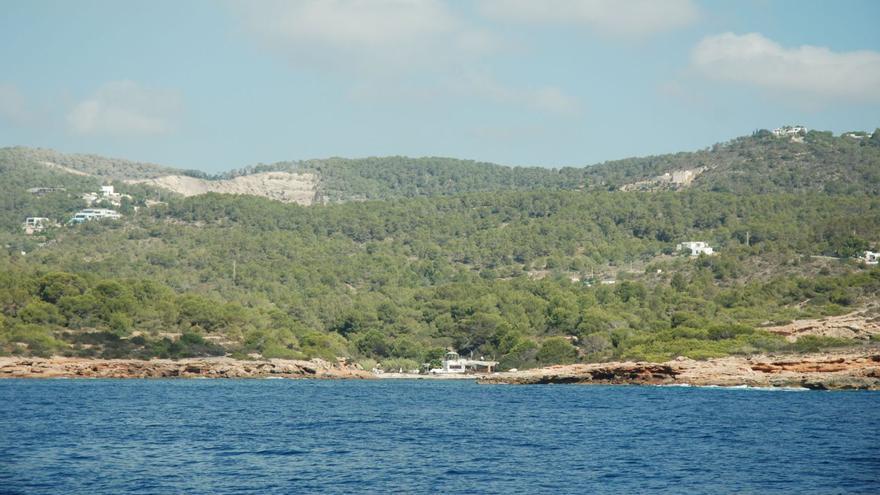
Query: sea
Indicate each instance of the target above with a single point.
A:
(86, 436)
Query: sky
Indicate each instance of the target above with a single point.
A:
(216, 85)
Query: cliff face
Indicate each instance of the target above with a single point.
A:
(814, 371)
(12, 367)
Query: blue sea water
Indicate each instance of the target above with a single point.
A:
(286, 436)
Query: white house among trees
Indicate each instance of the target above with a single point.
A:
(696, 248)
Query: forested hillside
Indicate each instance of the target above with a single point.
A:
(755, 164)
(503, 274)
(21, 170)
(95, 165)
(529, 265)
(761, 163)
(764, 163)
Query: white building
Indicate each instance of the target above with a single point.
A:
(870, 258)
(89, 214)
(856, 135)
(696, 248)
(789, 130)
(35, 224)
(107, 193)
(455, 364)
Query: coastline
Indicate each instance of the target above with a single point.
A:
(826, 371)
(210, 367)
(821, 371)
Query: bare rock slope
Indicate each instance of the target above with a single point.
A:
(281, 186)
(861, 325)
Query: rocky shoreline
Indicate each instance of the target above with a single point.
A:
(829, 371)
(849, 371)
(61, 367)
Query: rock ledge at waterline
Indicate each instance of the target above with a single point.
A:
(854, 370)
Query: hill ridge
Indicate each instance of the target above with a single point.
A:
(760, 163)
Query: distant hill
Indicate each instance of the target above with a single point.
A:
(344, 179)
(760, 163)
(533, 266)
(78, 164)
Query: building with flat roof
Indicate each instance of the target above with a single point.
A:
(89, 214)
(789, 130)
(696, 248)
(35, 224)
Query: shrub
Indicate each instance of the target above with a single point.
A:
(521, 356)
(327, 346)
(38, 338)
(41, 313)
(816, 343)
(396, 364)
(367, 364)
(53, 286)
(721, 332)
(189, 344)
(372, 343)
(557, 350)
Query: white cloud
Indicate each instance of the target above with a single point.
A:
(634, 18)
(548, 99)
(365, 35)
(125, 108)
(13, 105)
(397, 49)
(805, 71)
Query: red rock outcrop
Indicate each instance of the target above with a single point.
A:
(814, 371)
(59, 367)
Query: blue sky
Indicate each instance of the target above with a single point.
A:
(215, 85)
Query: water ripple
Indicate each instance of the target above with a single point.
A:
(284, 436)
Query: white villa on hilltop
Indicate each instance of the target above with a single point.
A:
(696, 248)
(455, 364)
(789, 130)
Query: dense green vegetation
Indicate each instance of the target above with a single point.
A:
(21, 169)
(95, 165)
(761, 163)
(520, 321)
(510, 263)
(406, 279)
